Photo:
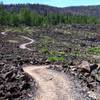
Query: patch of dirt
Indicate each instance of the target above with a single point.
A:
(53, 85)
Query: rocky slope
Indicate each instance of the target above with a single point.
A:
(74, 47)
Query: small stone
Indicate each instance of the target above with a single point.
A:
(93, 84)
(85, 66)
(30, 95)
(97, 78)
(92, 94)
(65, 66)
(93, 67)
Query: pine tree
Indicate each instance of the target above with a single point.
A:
(25, 16)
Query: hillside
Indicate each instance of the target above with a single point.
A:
(44, 9)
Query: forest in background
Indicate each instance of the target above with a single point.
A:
(27, 17)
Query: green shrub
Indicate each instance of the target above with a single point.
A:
(44, 50)
(94, 50)
(55, 58)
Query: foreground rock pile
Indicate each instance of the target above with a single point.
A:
(14, 83)
(88, 75)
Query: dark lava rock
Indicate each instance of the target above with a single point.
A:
(85, 66)
(93, 67)
(88, 75)
(65, 66)
(15, 83)
(96, 74)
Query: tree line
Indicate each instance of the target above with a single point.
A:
(30, 18)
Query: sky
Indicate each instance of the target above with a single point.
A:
(57, 3)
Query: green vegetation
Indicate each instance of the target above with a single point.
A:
(55, 58)
(30, 18)
(46, 40)
(57, 53)
(77, 53)
(18, 29)
(94, 50)
(44, 50)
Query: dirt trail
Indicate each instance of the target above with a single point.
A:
(52, 85)
(24, 45)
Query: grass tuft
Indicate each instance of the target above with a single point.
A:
(94, 50)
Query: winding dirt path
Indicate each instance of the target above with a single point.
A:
(24, 46)
(52, 85)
